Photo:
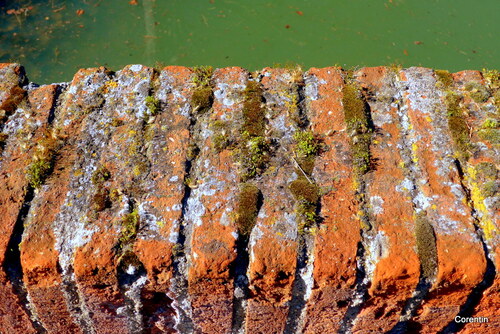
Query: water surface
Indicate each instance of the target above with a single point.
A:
(53, 38)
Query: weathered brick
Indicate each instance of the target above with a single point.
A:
(168, 141)
(394, 267)
(481, 176)
(273, 241)
(22, 130)
(118, 136)
(40, 253)
(461, 262)
(338, 235)
(11, 93)
(214, 233)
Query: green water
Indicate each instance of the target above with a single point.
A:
(52, 41)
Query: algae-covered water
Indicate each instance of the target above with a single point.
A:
(53, 38)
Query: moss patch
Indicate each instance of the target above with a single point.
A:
(153, 105)
(253, 147)
(307, 144)
(458, 126)
(426, 246)
(38, 171)
(253, 112)
(203, 96)
(248, 208)
(357, 118)
(130, 226)
(478, 92)
(254, 156)
(307, 195)
(444, 79)
(491, 135)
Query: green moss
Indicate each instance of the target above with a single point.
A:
(307, 144)
(202, 99)
(100, 175)
(153, 105)
(492, 77)
(357, 119)
(486, 171)
(254, 156)
(496, 97)
(452, 101)
(458, 126)
(203, 96)
(491, 135)
(116, 122)
(490, 123)
(490, 188)
(477, 92)
(248, 208)
(307, 195)
(130, 226)
(202, 76)
(307, 164)
(192, 151)
(221, 139)
(38, 171)
(253, 112)
(444, 79)
(426, 246)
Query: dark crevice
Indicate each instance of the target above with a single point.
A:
(467, 309)
(360, 124)
(52, 113)
(238, 271)
(180, 284)
(298, 302)
(74, 302)
(12, 265)
(131, 277)
(185, 322)
(360, 295)
(426, 245)
(299, 288)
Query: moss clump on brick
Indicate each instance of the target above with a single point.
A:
(357, 117)
(444, 79)
(478, 92)
(221, 139)
(307, 195)
(130, 226)
(38, 171)
(253, 112)
(248, 208)
(254, 156)
(43, 160)
(490, 123)
(153, 105)
(491, 135)
(458, 126)
(100, 175)
(203, 96)
(307, 144)
(426, 246)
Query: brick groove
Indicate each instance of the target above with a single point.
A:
(83, 270)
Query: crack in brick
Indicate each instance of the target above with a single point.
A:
(12, 264)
